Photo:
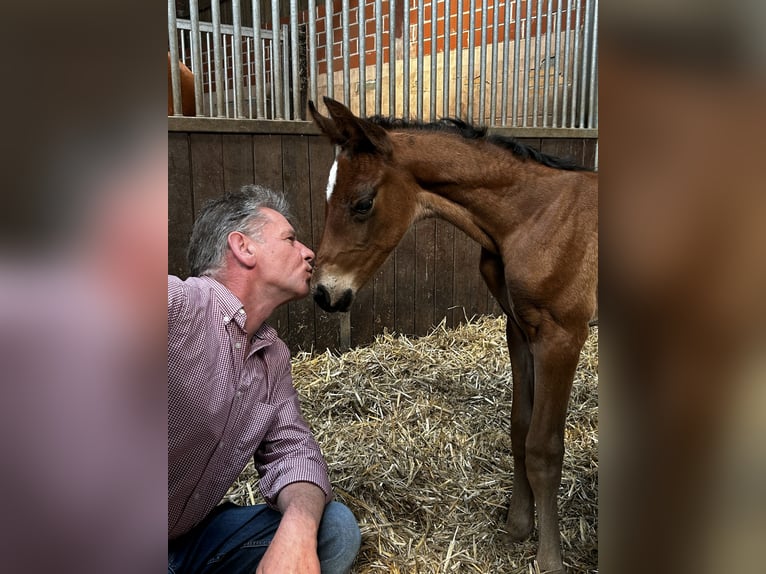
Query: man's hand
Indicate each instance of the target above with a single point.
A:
(294, 548)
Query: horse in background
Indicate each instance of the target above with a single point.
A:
(188, 104)
(536, 219)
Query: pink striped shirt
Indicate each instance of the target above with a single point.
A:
(225, 407)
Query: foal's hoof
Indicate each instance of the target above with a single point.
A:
(517, 531)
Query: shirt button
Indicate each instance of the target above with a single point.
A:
(238, 345)
(226, 319)
(241, 311)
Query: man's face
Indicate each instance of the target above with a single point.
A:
(284, 263)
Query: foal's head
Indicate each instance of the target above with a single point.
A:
(368, 206)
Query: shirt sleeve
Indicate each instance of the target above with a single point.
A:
(289, 453)
(177, 300)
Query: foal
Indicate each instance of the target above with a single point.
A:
(536, 220)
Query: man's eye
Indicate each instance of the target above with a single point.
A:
(363, 206)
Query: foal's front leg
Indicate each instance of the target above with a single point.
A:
(556, 352)
(521, 510)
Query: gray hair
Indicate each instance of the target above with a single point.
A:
(238, 211)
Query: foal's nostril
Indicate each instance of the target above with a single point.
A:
(322, 298)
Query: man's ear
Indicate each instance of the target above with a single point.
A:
(242, 248)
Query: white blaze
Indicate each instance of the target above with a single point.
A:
(331, 180)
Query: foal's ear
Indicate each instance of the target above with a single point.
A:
(350, 132)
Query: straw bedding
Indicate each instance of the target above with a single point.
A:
(416, 432)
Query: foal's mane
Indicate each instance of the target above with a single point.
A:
(467, 131)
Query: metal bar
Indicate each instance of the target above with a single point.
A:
(567, 56)
(446, 60)
(546, 79)
(557, 67)
(575, 67)
(196, 57)
(506, 57)
(391, 58)
(471, 56)
(527, 56)
(210, 84)
(217, 58)
(313, 70)
(260, 78)
(239, 109)
(493, 69)
(329, 33)
(459, 60)
(378, 54)
(225, 75)
(362, 46)
(516, 59)
(483, 63)
(296, 77)
(285, 71)
(584, 61)
(276, 63)
(248, 41)
(538, 34)
(406, 61)
(433, 59)
(175, 70)
(593, 121)
(345, 50)
(420, 63)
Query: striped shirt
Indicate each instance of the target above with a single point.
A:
(225, 407)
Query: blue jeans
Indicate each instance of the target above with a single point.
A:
(233, 539)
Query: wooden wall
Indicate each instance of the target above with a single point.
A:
(432, 275)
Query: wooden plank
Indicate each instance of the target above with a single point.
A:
(569, 149)
(180, 205)
(237, 161)
(589, 153)
(425, 271)
(444, 263)
(295, 181)
(405, 284)
(206, 168)
(468, 286)
(321, 155)
(384, 286)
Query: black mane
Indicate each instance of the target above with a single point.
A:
(457, 126)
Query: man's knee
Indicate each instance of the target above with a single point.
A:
(339, 539)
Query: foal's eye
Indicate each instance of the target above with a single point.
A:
(363, 206)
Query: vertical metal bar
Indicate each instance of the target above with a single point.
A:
(459, 60)
(527, 56)
(446, 60)
(286, 71)
(297, 113)
(538, 62)
(493, 73)
(210, 84)
(392, 58)
(268, 89)
(506, 56)
(175, 70)
(471, 56)
(546, 80)
(362, 46)
(328, 46)
(406, 61)
(239, 109)
(225, 75)
(575, 67)
(557, 67)
(585, 46)
(345, 15)
(249, 79)
(313, 71)
(217, 58)
(420, 62)
(378, 54)
(276, 62)
(433, 59)
(196, 56)
(593, 119)
(260, 78)
(483, 63)
(516, 59)
(567, 56)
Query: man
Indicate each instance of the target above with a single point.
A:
(230, 397)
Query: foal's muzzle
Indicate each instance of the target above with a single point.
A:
(324, 300)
